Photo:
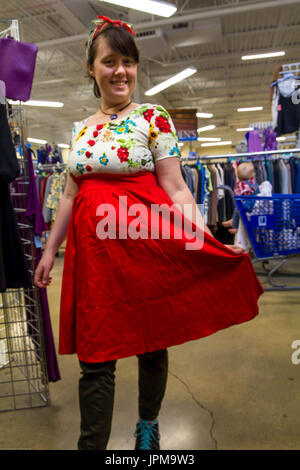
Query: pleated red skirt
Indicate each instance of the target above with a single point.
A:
(122, 295)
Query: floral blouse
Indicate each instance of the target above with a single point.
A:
(132, 144)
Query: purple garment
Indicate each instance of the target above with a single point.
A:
(52, 364)
(254, 142)
(34, 212)
(270, 139)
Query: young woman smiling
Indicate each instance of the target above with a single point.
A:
(133, 296)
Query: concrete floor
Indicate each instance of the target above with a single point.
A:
(237, 389)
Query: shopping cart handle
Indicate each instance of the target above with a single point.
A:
(228, 188)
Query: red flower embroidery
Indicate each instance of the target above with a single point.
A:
(148, 114)
(123, 154)
(163, 124)
(95, 133)
(91, 142)
(99, 127)
(88, 154)
(88, 168)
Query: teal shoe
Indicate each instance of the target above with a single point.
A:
(147, 435)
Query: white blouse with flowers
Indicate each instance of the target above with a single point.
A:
(146, 135)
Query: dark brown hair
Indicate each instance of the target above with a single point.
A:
(120, 40)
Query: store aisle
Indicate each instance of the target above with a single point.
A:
(237, 389)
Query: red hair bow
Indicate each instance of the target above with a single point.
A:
(116, 23)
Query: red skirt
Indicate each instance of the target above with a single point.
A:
(123, 295)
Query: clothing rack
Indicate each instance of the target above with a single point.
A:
(292, 68)
(233, 156)
(24, 374)
(261, 126)
(49, 166)
(12, 29)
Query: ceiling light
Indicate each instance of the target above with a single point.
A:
(64, 146)
(36, 141)
(225, 142)
(263, 56)
(47, 104)
(280, 139)
(206, 128)
(204, 115)
(245, 129)
(171, 81)
(155, 7)
(257, 108)
(209, 139)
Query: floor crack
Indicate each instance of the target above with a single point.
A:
(201, 406)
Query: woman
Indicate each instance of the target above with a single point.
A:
(133, 295)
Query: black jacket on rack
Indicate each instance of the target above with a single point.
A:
(13, 270)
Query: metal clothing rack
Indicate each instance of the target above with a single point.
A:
(290, 68)
(23, 369)
(49, 166)
(233, 156)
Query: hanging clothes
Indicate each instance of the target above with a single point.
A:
(34, 213)
(56, 190)
(13, 269)
(254, 142)
(288, 119)
(270, 142)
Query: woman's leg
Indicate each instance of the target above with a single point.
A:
(153, 373)
(96, 400)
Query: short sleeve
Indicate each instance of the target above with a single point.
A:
(71, 143)
(163, 140)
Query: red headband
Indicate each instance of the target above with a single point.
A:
(116, 23)
(97, 25)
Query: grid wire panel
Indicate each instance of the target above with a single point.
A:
(23, 369)
(23, 379)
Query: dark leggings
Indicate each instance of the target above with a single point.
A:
(96, 396)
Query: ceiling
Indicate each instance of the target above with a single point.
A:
(209, 35)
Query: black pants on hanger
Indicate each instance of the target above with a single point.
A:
(96, 396)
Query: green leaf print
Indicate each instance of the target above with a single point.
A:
(140, 110)
(127, 143)
(132, 164)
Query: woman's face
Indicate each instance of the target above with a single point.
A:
(115, 74)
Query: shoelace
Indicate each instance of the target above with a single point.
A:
(145, 431)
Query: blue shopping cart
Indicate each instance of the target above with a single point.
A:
(272, 225)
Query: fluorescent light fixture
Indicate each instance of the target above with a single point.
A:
(206, 128)
(171, 81)
(263, 56)
(256, 108)
(154, 7)
(47, 104)
(36, 141)
(280, 139)
(64, 146)
(225, 142)
(245, 129)
(204, 115)
(209, 139)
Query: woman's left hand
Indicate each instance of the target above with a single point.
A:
(236, 249)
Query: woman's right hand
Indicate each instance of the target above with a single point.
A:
(41, 275)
